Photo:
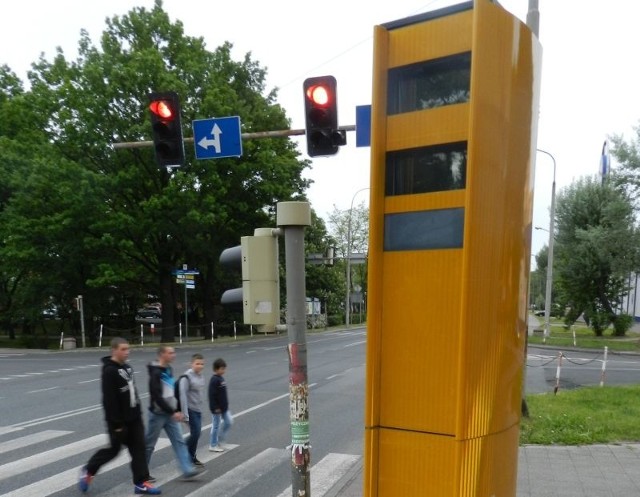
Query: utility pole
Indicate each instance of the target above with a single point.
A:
(81, 309)
(292, 217)
(347, 301)
(533, 17)
(549, 286)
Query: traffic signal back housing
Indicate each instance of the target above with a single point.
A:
(166, 126)
(321, 116)
(257, 256)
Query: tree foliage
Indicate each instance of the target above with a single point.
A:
(324, 281)
(597, 244)
(627, 154)
(79, 217)
(350, 230)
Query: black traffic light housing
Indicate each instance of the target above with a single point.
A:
(321, 116)
(166, 126)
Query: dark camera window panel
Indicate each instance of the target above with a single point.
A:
(424, 230)
(429, 84)
(427, 169)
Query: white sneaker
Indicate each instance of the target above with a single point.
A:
(216, 448)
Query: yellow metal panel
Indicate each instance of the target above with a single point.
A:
(431, 40)
(488, 465)
(497, 222)
(429, 465)
(376, 232)
(413, 464)
(428, 127)
(446, 328)
(420, 339)
(425, 201)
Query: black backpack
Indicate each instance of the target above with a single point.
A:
(176, 389)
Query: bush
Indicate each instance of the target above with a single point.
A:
(622, 324)
(34, 342)
(336, 319)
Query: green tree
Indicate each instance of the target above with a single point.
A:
(350, 229)
(33, 248)
(627, 154)
(538, 278)
(597, 246)
(147, 221)
(325, 282)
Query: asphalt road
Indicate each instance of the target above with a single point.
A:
(51, 419)
(578, 368)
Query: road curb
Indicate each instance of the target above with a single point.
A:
(348, 479)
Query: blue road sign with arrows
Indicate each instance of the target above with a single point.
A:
(217, 137)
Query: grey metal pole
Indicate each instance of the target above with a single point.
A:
(186, 312)
(348, 297)
(533, 17)
(81, 309)
(292, 217)
(347, 301)
(257, 135)
(549, 288)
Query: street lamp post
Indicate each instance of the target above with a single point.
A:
(348, 297)
(552, 214)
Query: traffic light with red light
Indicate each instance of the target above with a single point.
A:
(166, 128)
(321, 116)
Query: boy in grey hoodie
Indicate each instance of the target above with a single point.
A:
(191, 387)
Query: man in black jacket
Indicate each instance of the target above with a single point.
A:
(124, 420)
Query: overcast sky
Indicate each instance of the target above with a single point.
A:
(590, 79)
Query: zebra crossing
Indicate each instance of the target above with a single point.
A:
(324, 474)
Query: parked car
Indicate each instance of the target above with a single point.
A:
(150, 314)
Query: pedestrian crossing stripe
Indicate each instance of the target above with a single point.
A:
(324, 475)
(242, 475)
(69, 478)
(34, 438)
(38, 460)
(163, 474)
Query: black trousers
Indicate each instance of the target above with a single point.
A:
(132, 436)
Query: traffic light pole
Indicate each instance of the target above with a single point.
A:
(282, 133)
(292, 217)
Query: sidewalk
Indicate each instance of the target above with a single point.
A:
(555, 471)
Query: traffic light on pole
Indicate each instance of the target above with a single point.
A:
(321, 116)
(166, 128)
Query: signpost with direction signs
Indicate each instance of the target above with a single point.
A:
(217, 137)
(186, 277)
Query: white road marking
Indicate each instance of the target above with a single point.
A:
(242, 475)
(43, 390)
(326, 473)
(34, 438)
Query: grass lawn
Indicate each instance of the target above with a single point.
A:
(585, 338)
(588, 415)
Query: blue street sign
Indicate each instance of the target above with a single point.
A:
(363, 125)
(218, 137)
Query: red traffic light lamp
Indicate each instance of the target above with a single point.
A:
(321, 116)
(166, 128)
